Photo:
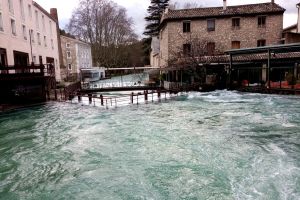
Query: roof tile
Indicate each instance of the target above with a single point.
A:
(250, 9)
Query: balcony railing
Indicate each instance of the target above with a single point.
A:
(31, 70)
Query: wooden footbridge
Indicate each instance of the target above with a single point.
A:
(112, 89)
(111, 101)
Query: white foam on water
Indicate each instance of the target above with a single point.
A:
(276, 150)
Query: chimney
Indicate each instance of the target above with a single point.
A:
(272, 1)
(167, 10)
(224, 4)
(298, 21)
(53, 13)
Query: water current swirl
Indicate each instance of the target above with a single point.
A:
(218, 145)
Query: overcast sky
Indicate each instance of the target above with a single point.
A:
(137, 9)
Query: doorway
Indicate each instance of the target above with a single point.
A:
(3, 58)
(21, 59)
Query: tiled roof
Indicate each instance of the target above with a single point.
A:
(250, 9)
(224, 59)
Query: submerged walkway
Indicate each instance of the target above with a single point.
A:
(109, 89)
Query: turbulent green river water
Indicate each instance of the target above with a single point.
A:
(219, 145)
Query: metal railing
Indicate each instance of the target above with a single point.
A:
(41, 70)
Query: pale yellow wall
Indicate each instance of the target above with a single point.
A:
(17, 43)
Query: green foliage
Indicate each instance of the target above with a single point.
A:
(155, 12)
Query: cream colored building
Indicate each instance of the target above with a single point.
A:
(76, 55)
(28, 33)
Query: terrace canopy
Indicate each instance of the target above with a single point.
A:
(268, 59)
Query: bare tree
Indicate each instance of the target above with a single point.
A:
(193, 55)
(186, 5)
(106, 26)
(189, 5)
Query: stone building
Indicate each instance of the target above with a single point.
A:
(28, 34)
(76, 55)
(219, 29)
(291, 34)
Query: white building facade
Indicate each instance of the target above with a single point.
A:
(28, 34)
(77, 55)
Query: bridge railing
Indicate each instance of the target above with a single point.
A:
(112, 85)
(119, 101)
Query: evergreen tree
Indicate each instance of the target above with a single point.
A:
(155, 11)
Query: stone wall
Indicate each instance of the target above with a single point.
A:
(173, 38)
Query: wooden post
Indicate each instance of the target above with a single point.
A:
(55, 94)
(131, 98)
(158, 94)
(106, 104)
(269, 67)
(101, 98)
(137, 99)
(230, 71)
(90, 98)
(79, 98)
(115, 101)
(146, 95)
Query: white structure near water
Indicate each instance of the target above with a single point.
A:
(77, 55)
(28, 33)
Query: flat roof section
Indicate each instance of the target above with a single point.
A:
(283, 48)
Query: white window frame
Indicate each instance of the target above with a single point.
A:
(22, 10)
(13, 27)
(29, 11)
(37, 19)
(43, 22)
(50, 27)
(1, 23)
(38, 35)
(32, 35)
(10, 6)
(52, 44)
(69, 54)
(69, 66)
(24, 30)
(45, 41)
